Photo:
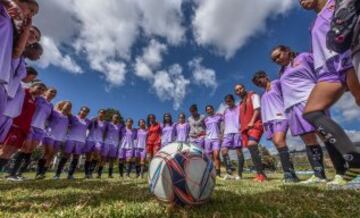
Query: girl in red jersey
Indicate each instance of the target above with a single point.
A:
(21, 126)
(154, 136)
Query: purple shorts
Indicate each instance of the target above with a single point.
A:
(140, 153)
(125, 153)
(275, 126)
(74, 147)
(92, 147)
(5, 126)
(334, 71)
(199, 141)
(108, 150)
(36, 134)
(3, 98)
(51, 143)
(232, 141)
(212, 145)
(298, 125)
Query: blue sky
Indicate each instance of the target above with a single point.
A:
(228, 49)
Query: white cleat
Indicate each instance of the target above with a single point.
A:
(313, 180)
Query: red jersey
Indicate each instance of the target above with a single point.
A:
(154, 134)
(23, 121)
(247, 112)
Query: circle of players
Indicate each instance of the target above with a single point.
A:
(299, 100)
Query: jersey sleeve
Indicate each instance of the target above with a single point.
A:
(255, 99)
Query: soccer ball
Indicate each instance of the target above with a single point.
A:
(182, 174)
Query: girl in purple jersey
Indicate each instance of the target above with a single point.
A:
(167, 130)
(94, 142)
(182, 129)
(336, 74)
(232, 137)
(127, 148)
(275, 122)
(57, 126)
(113, 134)
(75, 141)
(213, 136)
(298, 78)
(140, 148)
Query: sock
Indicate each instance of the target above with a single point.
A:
(3, 163)
(286, 163)
(111, 169)
(121, 169)
(128, 168)
(218, 172)
(26, 163)
(61, 166)
(86, 167)
(227, 164)
(17, 163)
(315, 156)
(256, 158)
(100, 170)
(142, 169)
(336, 158)
(40, 167)
(93, 166)
(335, 135)
(137, 169)
(241, 162)
(73, 166)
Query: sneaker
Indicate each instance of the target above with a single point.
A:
(238, 178)
(40, 177)
(56, 177)
(71, 178)
(313, 180)
(351, 174)
(260, 178)
(338, 180)
(228, 177)
(21, 177)
(13, 179)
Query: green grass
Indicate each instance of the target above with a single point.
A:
(130, 198)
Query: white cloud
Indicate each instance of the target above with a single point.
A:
(202, 75)
(347, 108)
(171, 85)
(53, 56)
(226, 25)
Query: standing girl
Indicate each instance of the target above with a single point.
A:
(140, 148)
(154, 136)
(197, 127)
(167, 130)
(182, 129)
(127, 146)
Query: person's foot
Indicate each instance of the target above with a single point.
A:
(40, 177)
(56, 177)
(313, 180)
(71, 177)
(13, 179)
(21, 177)
(337, 181)
(87, 177)
(351, 174)
(228, 177)
(260, 178)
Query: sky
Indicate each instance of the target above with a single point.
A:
(157, 56)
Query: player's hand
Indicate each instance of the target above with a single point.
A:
(250, 125)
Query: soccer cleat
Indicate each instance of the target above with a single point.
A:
(313, 180)
(338, 180)
(351, 174)
(260, 178)
(13, 179)
(21, 177)
(40, 177)
(353, 184)
(228, 177)
(56, 177)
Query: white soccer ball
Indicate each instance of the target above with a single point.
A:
(181, 173)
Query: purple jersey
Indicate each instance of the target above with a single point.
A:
(272, 105)
(319, 30)
(182, 132)
(57, 127)
(128, 139)
(141, 137)
(42, 112)
(96, 131)
(213, 124)
(298, 80)
(6, 45)
(113, 133)
(14, 106)
(77, 129)
(167, 134)
(18, 72)
(232, 120)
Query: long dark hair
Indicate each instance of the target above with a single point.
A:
(148, 119)
(286, 49)
(164, 121)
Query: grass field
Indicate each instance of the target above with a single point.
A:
(130, 198)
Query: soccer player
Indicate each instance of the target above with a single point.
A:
(232, 137)
(19, 129)
(336, 73)
(113, 134)
(140, 148)
(182, 129)
(94, 142)
(154, 136)
(197, 127)
(75, 141)
(213, 136)
(127, 148)
(275, 122)
(251, 127)
(167, 130)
